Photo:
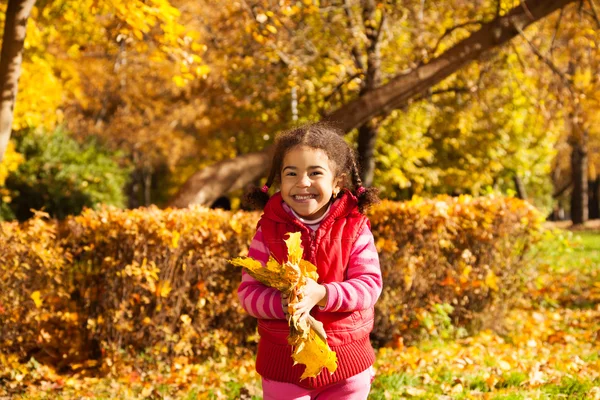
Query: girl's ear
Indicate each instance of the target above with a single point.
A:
(338, 183)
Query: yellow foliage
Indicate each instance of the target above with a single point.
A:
(10, 162)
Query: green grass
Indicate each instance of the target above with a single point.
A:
(513, 379)
(572, 388)
(510, 396)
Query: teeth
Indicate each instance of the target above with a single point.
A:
(306, 197)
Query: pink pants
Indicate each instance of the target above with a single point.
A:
(356, 387)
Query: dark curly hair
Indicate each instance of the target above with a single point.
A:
(322, 136)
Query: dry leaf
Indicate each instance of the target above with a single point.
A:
(307, 336)
(36, 297)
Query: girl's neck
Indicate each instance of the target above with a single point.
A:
(315, 221)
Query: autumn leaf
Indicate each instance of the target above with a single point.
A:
(36, 297)
(315, 354)
(307, 335)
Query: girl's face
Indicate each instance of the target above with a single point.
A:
(308, 181)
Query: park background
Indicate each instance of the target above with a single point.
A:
(130, 129)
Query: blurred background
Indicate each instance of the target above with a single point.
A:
(126, 103)
(129, 130)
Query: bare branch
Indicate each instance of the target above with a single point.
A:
(527, 11)
(563, 189)
(546, 60)
(562, 10)
(450, 30)
(594, 12)
(341, 85)
(429, 94)
(352, 28)
(380, 29)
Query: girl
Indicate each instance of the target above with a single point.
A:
(321, 196)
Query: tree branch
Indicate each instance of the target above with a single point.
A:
(562, 10)
(352, 28)
(444, 91)
(341, 85)
(452, 29)
(563, 189)
(546, 60)
(594, 12)
(206, 185)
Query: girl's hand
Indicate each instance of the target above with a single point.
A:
(312, 294)
(285, 301)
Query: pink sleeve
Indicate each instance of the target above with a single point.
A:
(259, 300)
(363, 284)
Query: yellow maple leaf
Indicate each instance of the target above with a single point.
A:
(307, 335)
(315, 354)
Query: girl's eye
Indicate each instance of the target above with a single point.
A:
(316, 173)
(290, 174)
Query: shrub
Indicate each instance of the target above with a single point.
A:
(62, 177)
(149, 278)
(460, 251)
(36, 314)
(159, 280)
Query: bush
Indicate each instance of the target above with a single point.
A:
(154, 278)
(62, 177)
(36, 314)
(159, 280)
(462, 252)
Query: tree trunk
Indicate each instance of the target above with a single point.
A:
(367, 138)
(368, 132)
(519, 187)
(594, 199)
(11, 57)
(202, 188)
(579, 165)
(207, 185)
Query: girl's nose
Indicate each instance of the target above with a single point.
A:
(303, 181)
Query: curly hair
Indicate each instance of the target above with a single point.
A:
(329, 139)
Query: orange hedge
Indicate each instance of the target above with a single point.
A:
(450, 262)
(158, 279)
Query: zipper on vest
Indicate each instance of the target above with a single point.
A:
(313, 236)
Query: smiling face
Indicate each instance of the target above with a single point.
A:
(308, 181)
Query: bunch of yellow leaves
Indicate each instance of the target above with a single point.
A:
(307, 336)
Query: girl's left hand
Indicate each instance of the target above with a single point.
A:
(312, 294)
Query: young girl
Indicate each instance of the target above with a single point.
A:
(321, 196)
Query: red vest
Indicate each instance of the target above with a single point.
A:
(329, 249)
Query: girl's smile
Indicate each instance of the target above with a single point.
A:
(304, 198)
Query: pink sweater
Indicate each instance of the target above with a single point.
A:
(359, 291)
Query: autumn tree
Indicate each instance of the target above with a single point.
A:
(206, 185)
(103, 68)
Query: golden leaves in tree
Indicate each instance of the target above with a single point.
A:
(307, 336)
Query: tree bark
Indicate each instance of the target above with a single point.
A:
(205, 186)
(202, 188)
(594, 198)
(11, 57)
(367, 138)
(519, 187)
(368, 132)
(579, 165)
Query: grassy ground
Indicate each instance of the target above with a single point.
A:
(551, 350)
